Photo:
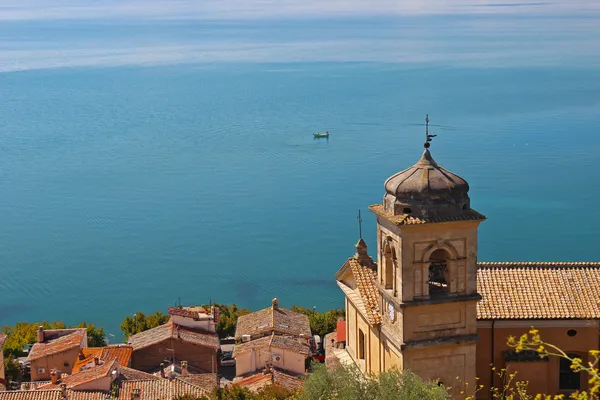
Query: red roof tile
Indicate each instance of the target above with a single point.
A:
(170, 330)
(86, 376)
(277, 341)
(58, 344)
(161, 389)
(267, 320)
(538, 290)
(55, 394)
(365, 280)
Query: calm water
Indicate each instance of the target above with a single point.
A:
(144, 160)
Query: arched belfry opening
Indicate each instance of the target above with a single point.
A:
(439, 277)
(388, 266)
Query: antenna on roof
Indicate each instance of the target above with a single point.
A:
(179, 301)
(428, 137)
(359, 225)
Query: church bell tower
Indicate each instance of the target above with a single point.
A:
(426, 272)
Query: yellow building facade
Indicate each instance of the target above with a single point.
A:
(428, 306)
(416, 307)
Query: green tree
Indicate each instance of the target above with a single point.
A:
(228, 315)
(24, 333)
(95, 336)
(348, 383)
(140, 322)
(321, 323)
(12, 371)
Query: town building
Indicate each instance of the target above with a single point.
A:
(428, 306)
(2, 373)
(274, 337)
(189, 335)
(56, 349)
(109, 380)
(91, 356)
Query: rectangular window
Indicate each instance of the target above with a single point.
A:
(568, 379)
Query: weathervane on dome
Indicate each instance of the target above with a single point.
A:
(428, 137)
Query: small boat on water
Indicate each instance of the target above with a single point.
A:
(321, 135)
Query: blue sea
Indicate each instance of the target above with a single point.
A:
(151, 154)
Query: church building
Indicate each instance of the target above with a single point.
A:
(428, 306)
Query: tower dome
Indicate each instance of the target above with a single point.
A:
(426, 190)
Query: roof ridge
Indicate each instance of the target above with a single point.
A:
(538, 264)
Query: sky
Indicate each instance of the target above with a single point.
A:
(50, 34)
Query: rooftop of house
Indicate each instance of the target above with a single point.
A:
(87, 355)
(56, 341)
(85, 376)
(366, 295)
(543, 290)
(172, 331)
(255, 382)
(272, 319)
(54, 394)
(196, 313)
(278, 341)
(161, 389)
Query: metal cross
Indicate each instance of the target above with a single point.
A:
(428, 137)
(359, 225)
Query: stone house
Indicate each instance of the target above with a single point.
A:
(272, 337)
(427, 305)
(189, 335)
(91, 356)
(279, 351)
(109, 380)
(56, 349)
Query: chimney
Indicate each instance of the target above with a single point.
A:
(162, 370)
(54, 376)
(96, 361)
(136, 394)
(40, 334)
(184, 368)
(63, 389)
(275, 303)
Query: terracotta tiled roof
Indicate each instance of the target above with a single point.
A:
(85, 376)
(538, 290)
(251, 345)
(161, 389)
(88, 354)
(57, 344)
(87, 395)
(365, 280)
(408, 219)
(272, 319)
(130, 374)
(170, 330)
(259, 380)
(205, 381)
(55, 394)
(277, 341)
(2, 340)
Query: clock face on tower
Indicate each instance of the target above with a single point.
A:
(391, 312)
